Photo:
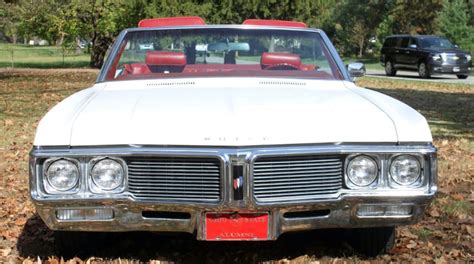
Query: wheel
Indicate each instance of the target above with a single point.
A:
(462, 76)
(372, 241)
(390, 69)
(423, 70)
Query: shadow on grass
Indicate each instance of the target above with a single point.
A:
(37, 240)
(449, 114)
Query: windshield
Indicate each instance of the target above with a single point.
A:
(436, 43)
(222, 52)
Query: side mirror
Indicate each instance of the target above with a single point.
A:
(356, 69)
(413, 46)
(456, 46)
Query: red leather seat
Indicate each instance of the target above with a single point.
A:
(280, 60)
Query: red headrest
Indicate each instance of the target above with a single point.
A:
(168, 58)
(280, 58)
(274, 23)
(171, 21)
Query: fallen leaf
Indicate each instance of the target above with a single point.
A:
(412, 244)
(441, 260)
(20, 221)
(470, 230)
(5, 251)
(9, 122)
(454, 253)
(434, 213)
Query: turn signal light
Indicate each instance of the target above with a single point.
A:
(84, 214)
(369, 210)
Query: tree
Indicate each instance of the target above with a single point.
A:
(351, 33)
(10, 20)
(454, 22)
(413, 17)
(100, 22)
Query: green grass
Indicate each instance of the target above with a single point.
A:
(25, 56)
(423, 233)
(459, 207)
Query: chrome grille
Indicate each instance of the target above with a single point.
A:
(455, 58)
(174, 179)
(297, 177)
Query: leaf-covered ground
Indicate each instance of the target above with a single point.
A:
(445, 234)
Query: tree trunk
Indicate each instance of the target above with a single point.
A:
(98, 51)
(61, 39)
(361, 48)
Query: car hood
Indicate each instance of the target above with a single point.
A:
(218, 112)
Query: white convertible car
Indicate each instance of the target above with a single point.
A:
(261, 132)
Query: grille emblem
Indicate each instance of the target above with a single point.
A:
(238, 183)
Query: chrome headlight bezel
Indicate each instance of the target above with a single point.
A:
(95, 188)
(350, 183)
(417, 182)
(50, 188)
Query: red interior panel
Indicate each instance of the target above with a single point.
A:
(139, 68)
(200, 68)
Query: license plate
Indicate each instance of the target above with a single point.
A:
(236, 226)
(455, 69)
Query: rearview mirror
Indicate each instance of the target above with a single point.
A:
(356, 69)
(231, 46)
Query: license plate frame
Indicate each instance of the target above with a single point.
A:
(242, 226)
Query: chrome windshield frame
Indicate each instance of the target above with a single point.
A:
(116, 46)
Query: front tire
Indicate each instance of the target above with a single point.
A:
(462, 76)
(390, 69)
(423, 70)
(372, 241)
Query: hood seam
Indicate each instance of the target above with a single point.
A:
(376, 105)
(81, 109)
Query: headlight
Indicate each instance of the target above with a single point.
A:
(107, 174)
(405, 169)
(437, 57)
(468, 57)
(362, 170)
(62, 175)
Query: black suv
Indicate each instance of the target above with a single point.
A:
(425, 54)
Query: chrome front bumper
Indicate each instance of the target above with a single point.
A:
(128, 215)
(336, 211)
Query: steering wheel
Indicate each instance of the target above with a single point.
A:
(282, 67)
